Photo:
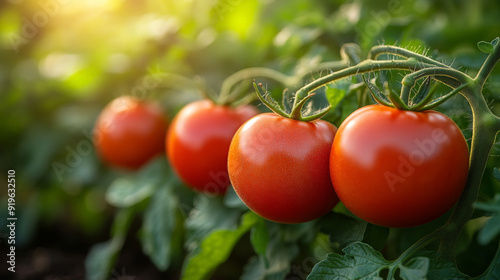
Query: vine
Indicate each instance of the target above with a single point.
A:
(486, 125)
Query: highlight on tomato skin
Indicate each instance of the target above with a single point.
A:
(398, 168)
(129, 132)
(279, 168)
(198, 142)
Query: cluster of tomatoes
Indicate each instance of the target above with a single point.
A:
(389, 167)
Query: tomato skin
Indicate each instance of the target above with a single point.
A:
(398, 168)
(198, 143)
(128, 132)
(279, 168)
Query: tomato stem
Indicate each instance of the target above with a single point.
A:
(203, 89)
(268, 101)
(485, 124)
(488, 65)
(438, 101)
(364, 67)
(421, 65)
(247, 73)
(409, 80)
(296, 113)
(395, 99)
(424, 241)
(377, 51)
(228, 95)
(376, 93)
(351, 53)
(423, 96)
(483, 138)
(485, 128)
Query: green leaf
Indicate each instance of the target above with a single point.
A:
(496, 173)
(491, 206)
(345, 230)
(490, 230)
(39, 145)
(376, 236)
(280, 256)
(495, 41)
(376, 94)
(485, 47)
(301, 233)
(349, 105)
(255, 269)
(101, 259)
(337, 92)
(209, 214)
(259, 237)
(422, 92)
(440, 269)
(492, 227)
(415, 269)
(268, 100)
(102, 256)
(360, 261)
(122, 222)
(125, 192)
(159, 225)
(282, 249)
(215, 249)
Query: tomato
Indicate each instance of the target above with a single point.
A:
(128, 132)
(279, 168)
(198, 143)
(398, 168)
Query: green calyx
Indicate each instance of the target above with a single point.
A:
(296, 113)
(423, 100)
(423, 67)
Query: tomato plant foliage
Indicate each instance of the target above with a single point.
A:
(360, 261)
(289, 168)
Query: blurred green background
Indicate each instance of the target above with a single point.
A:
(61, 61)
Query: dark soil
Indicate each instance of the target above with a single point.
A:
(59, 254)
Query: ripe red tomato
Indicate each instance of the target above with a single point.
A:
(279, 168)
(128, 133)
(398, 168)
(198, 143)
